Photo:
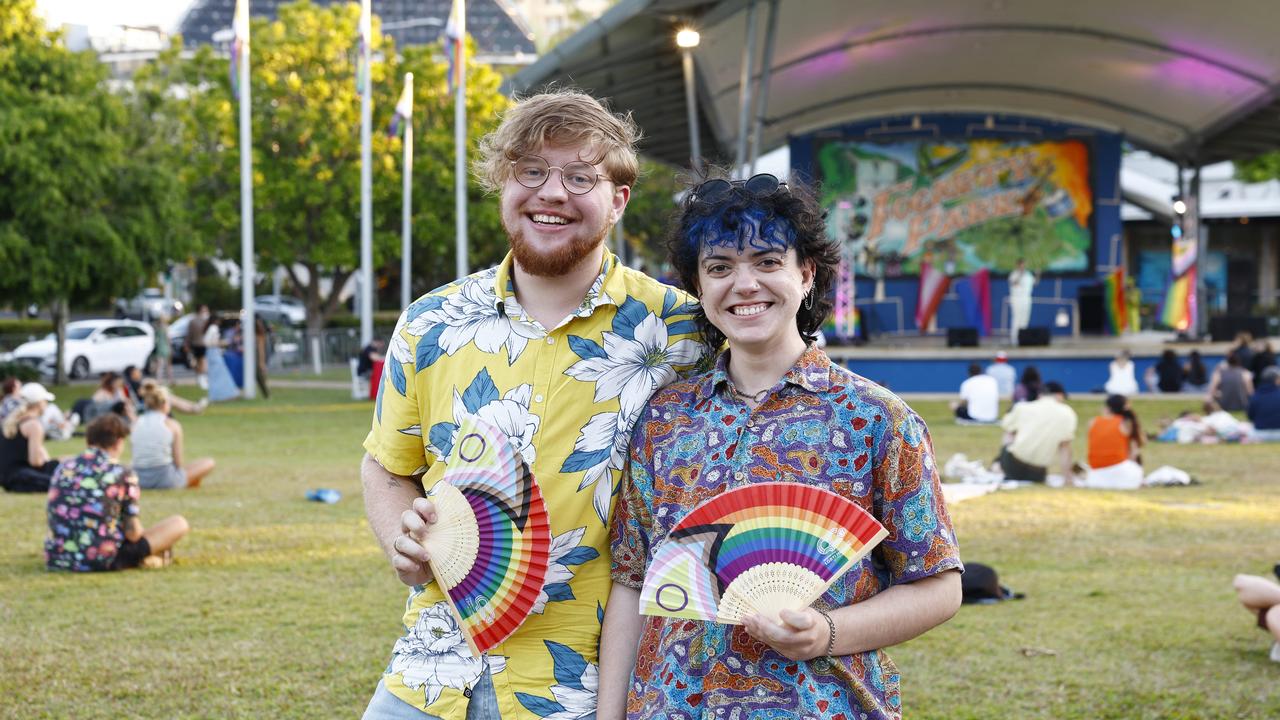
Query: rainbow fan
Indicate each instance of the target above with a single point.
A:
(757, 549)
(491, 545)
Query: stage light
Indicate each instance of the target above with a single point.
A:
(1179, 206)
(1062, 319)
(688, 38)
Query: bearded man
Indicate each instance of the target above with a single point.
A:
(558, 348)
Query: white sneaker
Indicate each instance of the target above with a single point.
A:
(202, 404)
(1275, 652)
(202, 381)
(74, 420)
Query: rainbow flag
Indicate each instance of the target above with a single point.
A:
(240, 45)
(455, 30)
(933, 286)
(1180, 301)
(1117, 311)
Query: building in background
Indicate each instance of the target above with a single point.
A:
(551, 21)
(500, 37)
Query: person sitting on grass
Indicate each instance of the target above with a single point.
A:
(1042, 431)
(176, 402)
(1261, 597)
(1264, 406)
(979, 398)
(157, 446)
(1115, 444)
(25, 465)
(93, 510)
(9, 398)
(110, 397)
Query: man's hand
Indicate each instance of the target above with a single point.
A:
(802, 634)
(410, 557)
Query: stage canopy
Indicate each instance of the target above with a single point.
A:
(1194, 81)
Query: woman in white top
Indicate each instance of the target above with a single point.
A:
(1122, 380)
(157, 446)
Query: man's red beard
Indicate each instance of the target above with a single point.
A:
(556, 262)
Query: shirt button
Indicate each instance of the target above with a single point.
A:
(751, 424)
(551, 341)
(537, 398)
(739, 475)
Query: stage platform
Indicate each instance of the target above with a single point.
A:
(924, 364)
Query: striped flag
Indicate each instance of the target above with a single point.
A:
(1180, 301)
(933, 286)
(455, 30)
(974, 293)
(404, 109)
(1117, 313)
(365, 31)
(239, 45)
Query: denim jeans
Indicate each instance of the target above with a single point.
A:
(385, 706)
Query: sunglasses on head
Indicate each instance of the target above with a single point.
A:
(759, 186)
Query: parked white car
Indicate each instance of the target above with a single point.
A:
(148, 305)
(93, 346)
(280, 309)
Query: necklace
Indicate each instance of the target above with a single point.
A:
(757, 397)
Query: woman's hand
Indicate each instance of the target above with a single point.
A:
(802, 634)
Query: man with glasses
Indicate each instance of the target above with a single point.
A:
(558, 347)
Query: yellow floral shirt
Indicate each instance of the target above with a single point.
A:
(568, 398)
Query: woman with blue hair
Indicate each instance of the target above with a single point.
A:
(773, 408)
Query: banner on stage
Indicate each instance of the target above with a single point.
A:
(965, 205)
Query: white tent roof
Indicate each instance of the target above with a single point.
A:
(1186, 79)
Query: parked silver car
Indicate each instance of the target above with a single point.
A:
(148, 305)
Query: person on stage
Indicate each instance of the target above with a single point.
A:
(1021, 283)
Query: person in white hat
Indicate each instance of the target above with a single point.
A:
(1006, 377)
(25, 465)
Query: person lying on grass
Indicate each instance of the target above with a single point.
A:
(93, 509)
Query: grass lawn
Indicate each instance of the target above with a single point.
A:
(278, 607)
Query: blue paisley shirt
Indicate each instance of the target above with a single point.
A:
(821, 425)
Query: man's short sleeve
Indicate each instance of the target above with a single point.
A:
(908, 501)
(395, 439)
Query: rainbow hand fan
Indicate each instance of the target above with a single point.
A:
(491, 545)
(757, 549)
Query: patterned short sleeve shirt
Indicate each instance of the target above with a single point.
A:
(90, 497)
(568, 397)
(821, 425)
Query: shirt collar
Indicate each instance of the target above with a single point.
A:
(607, 285)
(811, 371)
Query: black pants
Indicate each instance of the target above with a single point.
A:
(1015, 469)
(29, 479)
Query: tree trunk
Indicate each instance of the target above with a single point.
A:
(60, 332)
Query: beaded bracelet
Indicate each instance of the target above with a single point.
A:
(831, 627)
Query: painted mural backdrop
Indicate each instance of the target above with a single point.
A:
(961, 204)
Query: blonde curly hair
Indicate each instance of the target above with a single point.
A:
(561, 116)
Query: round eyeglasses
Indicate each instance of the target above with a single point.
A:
(758, 186)
(578, 177)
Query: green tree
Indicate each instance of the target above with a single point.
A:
(86, 210)
(649, 212)
(1261, 168)
(306, 153)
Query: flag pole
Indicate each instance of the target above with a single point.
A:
(247, 271)
(460, 143)
(406, 248)
(366, 179)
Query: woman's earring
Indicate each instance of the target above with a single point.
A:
(808, 299)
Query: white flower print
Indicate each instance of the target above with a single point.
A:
(601, 448)
(578, 702)
(434, 655)
(565, 551)
(631, 368)
(510, 415)
(472, 315)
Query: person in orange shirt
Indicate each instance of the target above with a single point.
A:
(1115, 446)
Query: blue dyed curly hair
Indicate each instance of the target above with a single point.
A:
(789, 218)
